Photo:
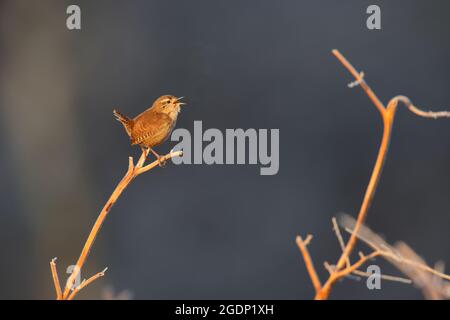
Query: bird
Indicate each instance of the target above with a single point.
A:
(153, 126)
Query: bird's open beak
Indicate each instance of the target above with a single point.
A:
(180, 103)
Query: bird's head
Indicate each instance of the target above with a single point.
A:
(169, 105)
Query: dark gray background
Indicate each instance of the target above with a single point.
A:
(216, 231)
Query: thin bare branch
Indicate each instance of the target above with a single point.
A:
(302, 245)
(85, 283)
(337, 231)
(359, 76)
(419, 112)
(56, 279)
(150, 166)
(384, 277)
(357, 264)
(392, 254)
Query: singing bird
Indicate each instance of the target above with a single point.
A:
(153, 126)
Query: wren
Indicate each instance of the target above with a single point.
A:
(153, 126)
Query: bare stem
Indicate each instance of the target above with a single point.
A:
(302, 245)
(55, 279)
(85, 283)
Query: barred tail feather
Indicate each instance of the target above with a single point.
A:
(124, 120)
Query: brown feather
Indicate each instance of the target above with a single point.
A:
(125, 121)
(151, 129)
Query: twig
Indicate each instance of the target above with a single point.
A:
(85, 283)
(390, 253)
(132, 172)
(363, 259)
(361, 255)
(302, 245)
(337, 231)
(384, 277)
(360, 80)
(55, 279)
(433, 281)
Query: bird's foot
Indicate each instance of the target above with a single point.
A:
(161, 161)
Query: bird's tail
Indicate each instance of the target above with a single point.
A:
(124, 120)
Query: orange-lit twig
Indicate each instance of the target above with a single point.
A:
(302, 245)
(85, 283)
(55, 279)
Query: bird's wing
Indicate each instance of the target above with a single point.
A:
(151, 125)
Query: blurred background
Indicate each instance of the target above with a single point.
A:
(220, 231)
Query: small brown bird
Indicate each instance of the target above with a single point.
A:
(153, 126)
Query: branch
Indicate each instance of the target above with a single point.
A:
(150, 166)
(419, 112)
(337, 231)
(55, 279)
(384, 277)
(302, 245)
(132, 172)
(85, 283)
(343, 267)
(392, 254)
(359, 76)
(349, 269)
